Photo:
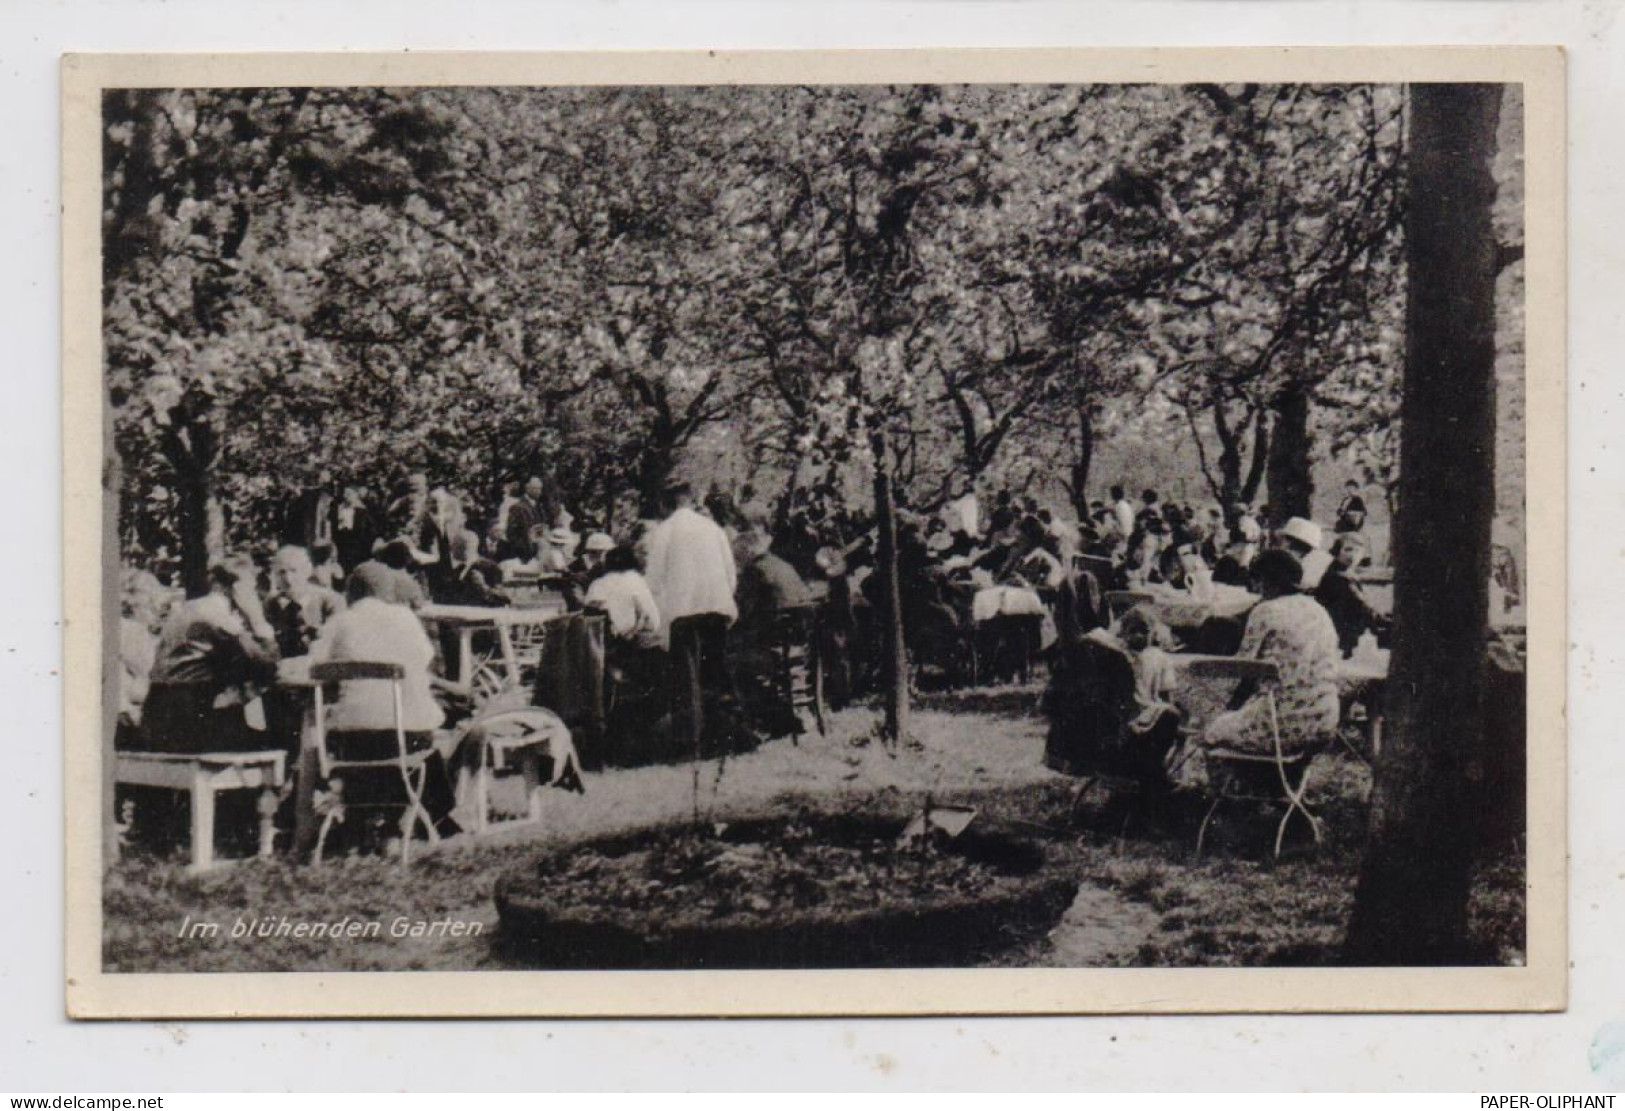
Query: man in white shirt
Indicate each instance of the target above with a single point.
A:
(1122, 512)
(692, 576)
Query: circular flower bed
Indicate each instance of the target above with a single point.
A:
(810, 891)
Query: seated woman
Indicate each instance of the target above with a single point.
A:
(634, 652)
(361, 723)
(623, 594)
(1183, 568)
(1291, 630)
(1233, 567)
(215, 656)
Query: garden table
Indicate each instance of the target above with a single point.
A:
(466, 620)
(1180, 609)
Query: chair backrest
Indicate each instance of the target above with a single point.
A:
(1238, 668)
(1089, 704)
(342, 670)
(349, 671)
(1119, 602)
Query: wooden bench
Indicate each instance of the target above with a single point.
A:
(203, 775)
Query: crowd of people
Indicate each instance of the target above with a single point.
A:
(693, 603)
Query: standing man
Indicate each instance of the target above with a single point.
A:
(355, 528)
(523, 516)
(1122, 512)
(692, 576)
(407, 512)
(1351, 512)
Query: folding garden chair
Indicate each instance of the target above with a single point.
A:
(413, 766)
(515, 741)
(1277, 777)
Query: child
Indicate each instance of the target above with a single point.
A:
(1144, 638)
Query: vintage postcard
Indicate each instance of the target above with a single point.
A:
(912, 532)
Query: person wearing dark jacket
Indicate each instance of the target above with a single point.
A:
(215, 656)
(355, 528)
(524, 515)
(1340, 596)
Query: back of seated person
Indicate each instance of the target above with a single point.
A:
(215, 655)
(377, 629)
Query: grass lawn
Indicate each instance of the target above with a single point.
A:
(1144, 901)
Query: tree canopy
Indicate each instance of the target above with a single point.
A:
(593, 283)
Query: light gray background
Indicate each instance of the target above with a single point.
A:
(39, 1050)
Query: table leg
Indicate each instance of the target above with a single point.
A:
(530, 768)
(510, 658)
(267, 810)
(202, 820)
(305, 826)
(465, 655)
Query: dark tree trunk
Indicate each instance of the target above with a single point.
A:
(1291, 485)
(1230, 486)
(654, 472)
(1411, 904)
(190, 451)
(1261, 452)
(894, 648)
(1084, 461)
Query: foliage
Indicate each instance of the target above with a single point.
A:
(601, 284)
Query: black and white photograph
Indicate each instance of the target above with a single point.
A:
(999, 526)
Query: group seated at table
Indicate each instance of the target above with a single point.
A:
(1115, 694)
(693, 610)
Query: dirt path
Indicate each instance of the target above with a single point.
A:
(1098, 930)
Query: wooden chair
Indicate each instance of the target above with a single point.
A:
(413, 766)
(800, 677)
(1277, 777)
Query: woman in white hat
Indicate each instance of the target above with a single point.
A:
(1303, 539)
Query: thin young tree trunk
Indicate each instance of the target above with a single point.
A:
(894, 648)
(1084, 461)
(1411, 904)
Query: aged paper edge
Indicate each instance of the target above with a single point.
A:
(90, 566)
